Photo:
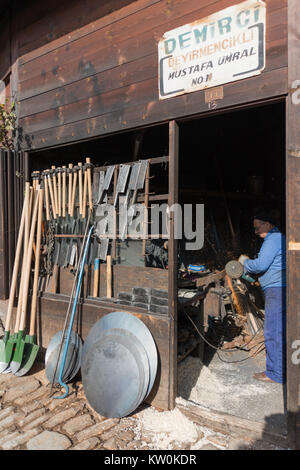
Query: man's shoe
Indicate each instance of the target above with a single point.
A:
(263, 377)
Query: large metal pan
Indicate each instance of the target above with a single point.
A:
(134, 325)
(114, 376)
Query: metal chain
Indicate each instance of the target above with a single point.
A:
(50, 242)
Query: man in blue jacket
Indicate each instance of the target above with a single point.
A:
(270, 265)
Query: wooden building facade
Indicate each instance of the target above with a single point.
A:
(80, 70)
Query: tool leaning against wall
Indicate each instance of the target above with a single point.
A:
(44, 205)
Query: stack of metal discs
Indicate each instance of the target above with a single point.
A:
(119, 364)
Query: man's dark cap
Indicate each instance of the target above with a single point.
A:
(266, 216)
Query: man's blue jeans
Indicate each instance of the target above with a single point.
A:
(275, 333)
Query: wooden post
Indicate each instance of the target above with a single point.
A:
(172, 258)
(293, 225)
(114, 241)
(146, 204)
(108, 277)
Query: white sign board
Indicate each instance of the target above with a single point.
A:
(221, 48)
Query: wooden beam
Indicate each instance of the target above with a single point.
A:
(232, 425)
(293, 222)
(172, 256)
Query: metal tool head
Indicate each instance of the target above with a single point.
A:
(31, 349)
(142, 174)
(134, 175)
(105, 183)
(122, 180)
(17, 352)
(6, 351)
(102, 253)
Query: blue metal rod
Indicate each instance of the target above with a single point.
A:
(72, 317)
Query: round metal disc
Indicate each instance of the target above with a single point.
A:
(113, 376)
(134, 325)
(77, 360)
(69, 364)
(234, 269)
(140, 350)
(55, 341)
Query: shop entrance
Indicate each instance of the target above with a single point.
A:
(234, 164)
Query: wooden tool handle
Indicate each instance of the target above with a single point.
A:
(108, 277)
(70, 189)
(20, 298)
(16, 264)
(73, 194)
(89, 178)
(51, 196)
(47, 199)
(64, 186)
(55, 191)
(84, 195)
(80, 187)
(59, 193)
(28, 265)
(28, 192)
(96, 277)
(37, 264)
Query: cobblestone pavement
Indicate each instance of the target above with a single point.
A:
(30, 419)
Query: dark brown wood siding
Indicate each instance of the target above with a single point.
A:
(293, 228)
(5, 44)
(103, 77)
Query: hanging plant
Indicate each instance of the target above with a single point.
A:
(8, 119)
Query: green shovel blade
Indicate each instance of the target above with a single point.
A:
(18, 352)
(31, 350)
(7, 345)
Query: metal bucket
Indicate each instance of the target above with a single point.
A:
(119, 364)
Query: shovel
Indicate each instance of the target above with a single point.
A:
(6, 347)
(19, 349)
(11, 343)
(31, 347)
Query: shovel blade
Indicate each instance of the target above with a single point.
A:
(31, 350)
(18, 353)
(6, 351)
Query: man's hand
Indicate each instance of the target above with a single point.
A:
(242, 259)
